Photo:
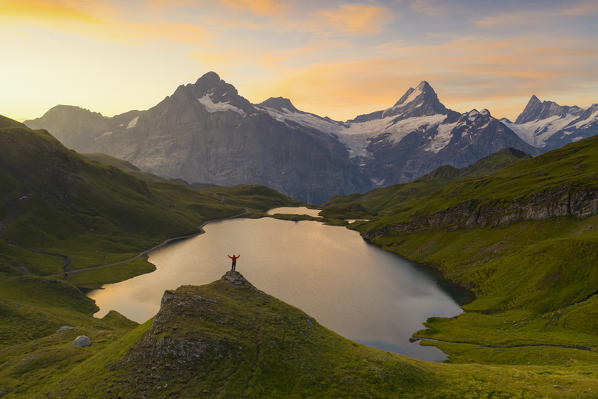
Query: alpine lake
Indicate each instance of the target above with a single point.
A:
(351, 287)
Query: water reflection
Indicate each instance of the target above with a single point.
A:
(349, 286)
(295, 210)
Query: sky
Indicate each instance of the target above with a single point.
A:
(332, 58)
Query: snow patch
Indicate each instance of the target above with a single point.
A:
(442, 138)
(133, 122)
(537, 132)
(377, 182)
(402, 128)
(587, 122)
(304, 119)
(414, 94)
(212, 107)
(356, 135)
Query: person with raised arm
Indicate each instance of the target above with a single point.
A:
(234, 261)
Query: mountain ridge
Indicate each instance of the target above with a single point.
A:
(547, 125)
(206, 132)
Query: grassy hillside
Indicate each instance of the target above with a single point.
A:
(57, 201)
(535, 280)
(531, 332)
(61, 213)
(388, 200)
(227, 339)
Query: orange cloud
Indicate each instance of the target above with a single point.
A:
(45, 9)
(258, 7)
(356, 18)
(91, 19)
(170, 3)
(480, 73)
(525, 17)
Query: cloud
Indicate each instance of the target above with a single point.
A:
(161, 4)
(428, 7)
(356, 18)
(97, 20)
(474, 72)
(540, 15)
(258, 7)
(45, 9)
(513, 18)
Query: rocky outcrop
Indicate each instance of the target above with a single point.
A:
(82, 340)
(170, 342)
(560, 201)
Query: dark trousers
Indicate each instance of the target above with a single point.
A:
(233, 266)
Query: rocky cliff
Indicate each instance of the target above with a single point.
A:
(205, 132)
(566, 200)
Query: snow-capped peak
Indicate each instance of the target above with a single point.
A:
(280, 104)
(412, 94)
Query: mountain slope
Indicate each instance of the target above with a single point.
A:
(207, 133)
(548, 125)
(83, 214)
(228, 339)
(60, 214)
(522, 238)
(387, 200)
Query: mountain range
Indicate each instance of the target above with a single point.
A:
(206, 132)
(548, 125)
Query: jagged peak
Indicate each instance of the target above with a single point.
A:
(534, 99)
(412, 94)
(424, 85)
(474, 115)
(537, 109)
(280, 104)
(209, 77)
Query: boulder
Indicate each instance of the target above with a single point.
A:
(82, 340)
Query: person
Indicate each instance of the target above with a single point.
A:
(234, 261)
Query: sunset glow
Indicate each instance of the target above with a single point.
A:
(334, 58)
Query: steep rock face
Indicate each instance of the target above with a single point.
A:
(548, 125)
(565, 200)
(205, 132)
(536, 109)
(456, 141)
(421, 101)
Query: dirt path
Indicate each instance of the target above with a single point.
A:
(147, 251)
(582, 348)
